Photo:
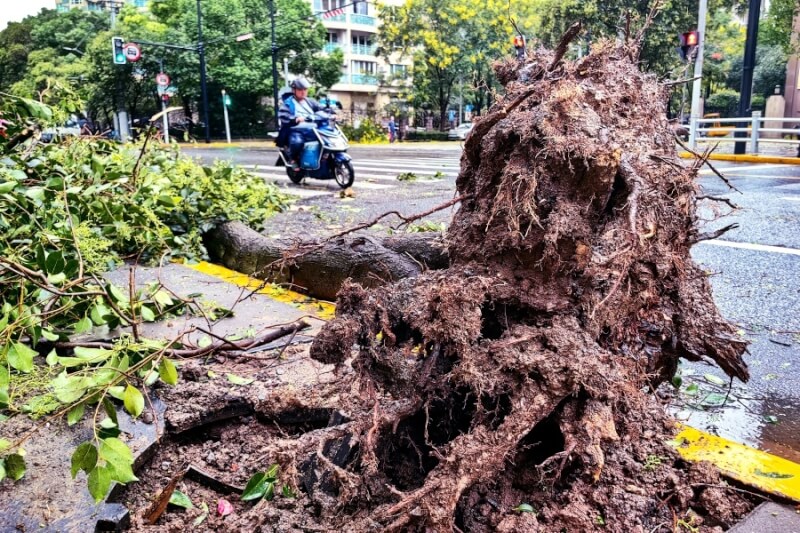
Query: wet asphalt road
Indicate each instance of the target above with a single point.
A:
(756, 267)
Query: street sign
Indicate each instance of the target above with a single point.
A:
(162, 79)
(132, 52)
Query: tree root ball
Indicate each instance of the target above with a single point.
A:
(522, 373)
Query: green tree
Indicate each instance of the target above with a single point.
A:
(448, 40)
(776, 28)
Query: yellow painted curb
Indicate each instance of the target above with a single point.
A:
(754, 468)
(319, 308)
(745, 158)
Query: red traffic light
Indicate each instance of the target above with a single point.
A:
(519, 41)
(691, 38)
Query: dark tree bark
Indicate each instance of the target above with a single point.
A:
(324, 266)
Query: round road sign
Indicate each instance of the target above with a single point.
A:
(162, 79)
(132, 52)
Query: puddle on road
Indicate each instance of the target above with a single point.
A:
(771, 423)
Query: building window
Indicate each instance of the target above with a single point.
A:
(363, 67)
(360, 8)
(361, 40)
(398, 70)
(328, 5)
(76, 2)
(333, 38)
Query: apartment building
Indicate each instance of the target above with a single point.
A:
(96, 5)
(368, 82)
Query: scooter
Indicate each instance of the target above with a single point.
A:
(325, 158)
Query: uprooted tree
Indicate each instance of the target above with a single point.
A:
(523, 373)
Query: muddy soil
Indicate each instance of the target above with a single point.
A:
(513, 390)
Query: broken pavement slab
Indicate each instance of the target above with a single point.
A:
(769, 517)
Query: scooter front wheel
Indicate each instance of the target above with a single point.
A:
(344, 174)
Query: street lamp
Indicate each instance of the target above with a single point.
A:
(201, 50)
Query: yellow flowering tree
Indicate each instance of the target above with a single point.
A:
(451, 40)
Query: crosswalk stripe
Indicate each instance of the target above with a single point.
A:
(742, 168)
(359, 176)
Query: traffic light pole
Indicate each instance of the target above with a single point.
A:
(697, 86)
(746, 92)
(201, 50)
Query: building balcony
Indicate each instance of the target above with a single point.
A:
(363, 49)
(364, 20)
(358, 79)
(330, 47)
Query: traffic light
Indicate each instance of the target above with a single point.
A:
(519, 46)
(226, 100)
(118, 47)
(689, 42)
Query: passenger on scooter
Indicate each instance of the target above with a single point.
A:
(294, 113)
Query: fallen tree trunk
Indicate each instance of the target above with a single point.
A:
(321, 271)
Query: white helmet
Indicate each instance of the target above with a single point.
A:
(300, 82)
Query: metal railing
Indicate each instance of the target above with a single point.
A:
(359, 79)
(364, 20)
(714, 130)
(363, 49)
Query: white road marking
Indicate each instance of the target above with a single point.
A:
(791, 198)
(754, 247)
(743, 168)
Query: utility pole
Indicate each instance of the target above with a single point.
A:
(746, 92)
(697, 86)
(201, 50)
(274, 59)
(165, 118)
(460, 100)
(225, 111)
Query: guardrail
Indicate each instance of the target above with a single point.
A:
(751, 130)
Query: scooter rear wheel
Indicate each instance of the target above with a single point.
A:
(295, 175)
(344, 174)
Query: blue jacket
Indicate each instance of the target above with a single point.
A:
(288, 111)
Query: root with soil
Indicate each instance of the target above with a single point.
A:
(523, 372)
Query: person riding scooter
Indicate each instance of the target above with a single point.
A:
(295, 114)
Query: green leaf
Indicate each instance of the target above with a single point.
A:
(256, 487)
(75, 414)
(147, 314)
(134, 401)
(118, 392)
(84, 458)
(204, 341)
(115, 451)
(54, 264)
(93, 355)
(98, 314)
(168, 372)
(181, 500)
(770, 419)
(163, 298)
(238, 380)
(524, 508)
(116, 293)
(713, 400)
(2, 469)
(3, 397)
(677, 381)
(99, 482)
(69, 389)
(52, 358)
(122, 472)
(715, 380)
(287, 492)
(49, 335)
(7, 186)
(110, 410)
(82, 326)
(691, 390)
(15, 466)
(4, 445)
(20, 357)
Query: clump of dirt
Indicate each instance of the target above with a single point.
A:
(523, 373)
